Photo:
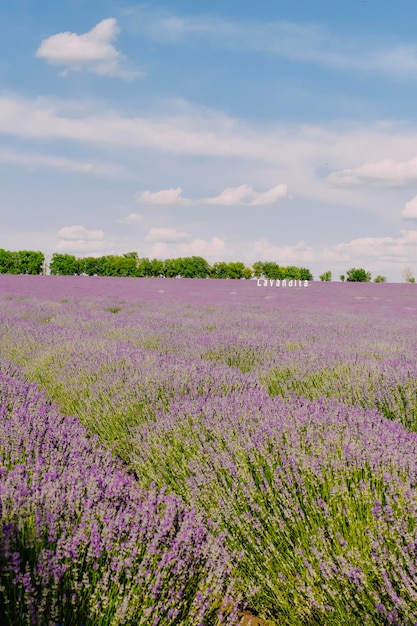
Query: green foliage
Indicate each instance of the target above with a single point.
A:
(92, 266)
(22, 262)
(305, 274)
(219, 270)
(64, 265)
(326, 276)
(358, 275)
(172, 268)
(234, 269)
(30, 262)
(272, 271)
(247, 273)
(194, 267)
(157, 268)
(292, 272)
(120, 266)
(257, 268)
(380, 279)
(145, 267)
(342, 278)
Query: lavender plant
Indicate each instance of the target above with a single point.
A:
(81, 543)
(319, 498)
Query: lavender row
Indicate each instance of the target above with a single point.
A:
(81, 543)
(320, 499)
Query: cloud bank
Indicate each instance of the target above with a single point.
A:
(384, 173)
(231, 196)
(80, 240)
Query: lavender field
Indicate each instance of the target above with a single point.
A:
(175, 451)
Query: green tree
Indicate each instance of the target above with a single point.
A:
(326, 276)
(145, 268)
(305, 274)
(247, 273)
(292, 272)
(172, 268)
(92, 266)
(358, 275)
(219, 270)
(380, 279)
(194, 267)
(30, 262)
(258, 269)
(5, 261)
(64, 265)
(273, 271)
(157, 267)
(236, 269)
(8, 262)
(342, 278)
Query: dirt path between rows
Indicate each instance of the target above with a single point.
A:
(247, 619)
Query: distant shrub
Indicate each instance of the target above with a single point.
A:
(358, 275)
(326, 276)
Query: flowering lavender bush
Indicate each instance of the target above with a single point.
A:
(284, 416)
(80, 543)
(321, 499)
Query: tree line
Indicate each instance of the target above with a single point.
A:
(130, 264)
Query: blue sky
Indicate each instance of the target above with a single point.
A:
(247, 131)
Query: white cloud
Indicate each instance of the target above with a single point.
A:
(84, 247)
(82, 241)
(247, 196)
(387, 172)
(165, 196)
(409, 211)
(78, 232)
(388, 249)
(244, 194)
(166, 235)
(92, 51)
(372, 252)
(132, 218)
(161, 250)
(212, 249)
(296, 254)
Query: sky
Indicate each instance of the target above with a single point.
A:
(238, 131)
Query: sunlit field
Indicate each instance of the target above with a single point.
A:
(179, 451)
